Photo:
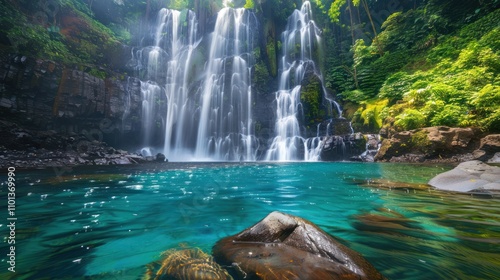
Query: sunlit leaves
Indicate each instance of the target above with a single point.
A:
(410, 119)
(334, 11)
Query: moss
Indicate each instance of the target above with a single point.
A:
(271, 54)
(420, 141)
(97, 73)
(71, 37)
(311, 95)
(261, 77)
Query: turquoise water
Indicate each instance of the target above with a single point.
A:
(109, 222)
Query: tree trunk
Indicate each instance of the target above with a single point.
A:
(354, 72)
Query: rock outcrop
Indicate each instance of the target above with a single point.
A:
(21, 147)
(438, 144)
(46, 95)
(470, 176)
(488, 149)
(283, 246)
(347, 147)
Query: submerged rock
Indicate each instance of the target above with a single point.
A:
(186, 264)
(283, 246)
(468, 177)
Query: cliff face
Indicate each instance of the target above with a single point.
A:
(46, 95)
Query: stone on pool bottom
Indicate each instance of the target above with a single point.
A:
(280, 246)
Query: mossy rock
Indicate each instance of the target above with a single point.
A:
(311, 97)
(186, 264)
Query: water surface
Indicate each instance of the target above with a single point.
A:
(109, 222)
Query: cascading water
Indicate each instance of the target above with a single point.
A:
(298, 41)
(212, 121)
(207, 114)
(165, 67)
(225, 130)
(179, 122)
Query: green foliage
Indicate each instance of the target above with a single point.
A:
(420, 141)
(418, 96)
(451, 115)
(486, 106)
(371, 77)
(481, 27)
(81, 39)
(488, 99)
(178, 4)
(492, 122)
(410, 119)
(355, 96)
(97, 73)
(429, 75)
(311, 96)
(33, 39)
(249, 4)
(121, 33)
(334, 11)
(371, 114)
(261, 77)
(278, 10)
(271, 54)
(397, 85)
(362, 53)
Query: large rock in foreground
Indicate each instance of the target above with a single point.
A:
(470, 176)
(283, 246)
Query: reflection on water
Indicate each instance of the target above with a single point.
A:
(109, 222)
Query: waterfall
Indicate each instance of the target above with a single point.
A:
(165, 67)
(150, 94)
(180, 108)
(298, 40)
(197, 98)
(204, 112)
(226, 129)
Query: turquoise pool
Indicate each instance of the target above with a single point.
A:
(109, 222)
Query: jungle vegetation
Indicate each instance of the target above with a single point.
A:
(399, 64)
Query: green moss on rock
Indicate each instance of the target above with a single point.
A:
(311, 95)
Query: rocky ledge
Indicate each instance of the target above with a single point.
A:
(440, 144)
(283, 246)
(471, 176)
(23, 147)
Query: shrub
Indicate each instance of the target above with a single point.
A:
(487, 100)
(492, 122)
(410, 119)
(451, 115)
(354, 96)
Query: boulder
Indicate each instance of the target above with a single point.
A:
(439, 143)
(283, 246)
(470, 176)
(348, 147)
(490, 143)
(488, 146)
(161, 157)
(495, 158)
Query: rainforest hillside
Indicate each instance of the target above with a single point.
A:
(396, 65)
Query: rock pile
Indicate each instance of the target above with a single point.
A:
(22, 147)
